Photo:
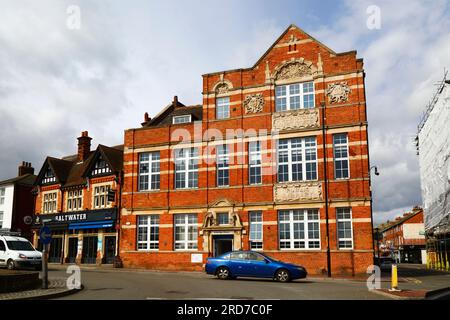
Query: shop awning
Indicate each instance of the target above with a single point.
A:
(91, 225)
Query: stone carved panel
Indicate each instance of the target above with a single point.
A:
(298, 191)
(222, 88)
(295, 119)
(338, 92)
(254, 103)
(293, 69)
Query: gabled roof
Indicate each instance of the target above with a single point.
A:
(70, 172)
(112, 155)
(274, 44)
(26, 179)
(60, 168)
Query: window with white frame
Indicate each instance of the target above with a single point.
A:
(223, 218)
(74, 200)
(148, 232)
(2, 195)
(149, 171)
(297, 159)
(299, 229)
(101, 167)
(1, 219)
(340, 154)
(186, 168)
(101, 196)
(49, 176)
(49, 202)
(223, 166)
(223, 108)
(254, 162)
(187, 118)
(344, 228)
(186, 232)
(256, 229)
(294, 96)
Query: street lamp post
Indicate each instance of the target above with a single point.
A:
(371, 208)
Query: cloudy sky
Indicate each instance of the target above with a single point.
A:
(125, 59)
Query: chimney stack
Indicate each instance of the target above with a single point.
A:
(175, 101)
(84, 146)
(25, 168)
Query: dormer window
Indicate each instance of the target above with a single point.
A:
(49, 176)
(101, 167)
(182, 119)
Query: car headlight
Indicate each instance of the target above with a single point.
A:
(22, 256)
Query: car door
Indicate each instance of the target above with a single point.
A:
(260, 266)
(2, 253)
(239, 265)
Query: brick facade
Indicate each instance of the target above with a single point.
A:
(339, 107)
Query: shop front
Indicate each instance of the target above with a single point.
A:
(84, 237)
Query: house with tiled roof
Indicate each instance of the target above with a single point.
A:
(404, 238)
(78, 198)
(16, 201)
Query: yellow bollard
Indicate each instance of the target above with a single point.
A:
(447, 265)
(394, 279)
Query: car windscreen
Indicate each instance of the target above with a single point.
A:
(20, 245)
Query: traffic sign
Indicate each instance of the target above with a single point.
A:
(45, 235)
(111, 195)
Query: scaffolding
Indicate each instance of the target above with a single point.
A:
(433, 149)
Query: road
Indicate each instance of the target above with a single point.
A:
(123, 284)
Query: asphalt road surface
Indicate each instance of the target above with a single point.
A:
(125, 284)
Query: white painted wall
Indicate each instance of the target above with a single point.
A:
(424, 256)
(7, 206)
(412, 230)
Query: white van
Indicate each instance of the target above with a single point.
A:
(18, 252)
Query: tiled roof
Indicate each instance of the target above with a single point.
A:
(174, 109)
(390, 224)
(26, 179)
(70, 172)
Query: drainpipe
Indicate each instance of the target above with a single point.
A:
(326, 189)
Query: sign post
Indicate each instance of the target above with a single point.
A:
(45, 236)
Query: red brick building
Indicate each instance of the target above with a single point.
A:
(275, 159)
(16, 201)
(71, 198)
(404, 238)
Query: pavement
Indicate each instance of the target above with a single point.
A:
(133, 284)
(57, 287)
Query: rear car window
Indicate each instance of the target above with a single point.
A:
(238, 256)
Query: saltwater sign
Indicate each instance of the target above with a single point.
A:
(71, 217)
(77, 217)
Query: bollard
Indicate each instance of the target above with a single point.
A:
(394, 279)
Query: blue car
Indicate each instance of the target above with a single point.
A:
(252, 264)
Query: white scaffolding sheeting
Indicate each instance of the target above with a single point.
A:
(434, 161)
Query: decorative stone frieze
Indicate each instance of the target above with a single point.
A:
(254, 103)
(298, 191)
(338, 92)
(294, 70)
(295, 119)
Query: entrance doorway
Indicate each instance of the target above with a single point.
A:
(110, 249)
(89, 250)
(54, 254)
(72, 250)
(222, 244)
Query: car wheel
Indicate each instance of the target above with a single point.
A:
(282, 275)
(223, 273)
(11, 265)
